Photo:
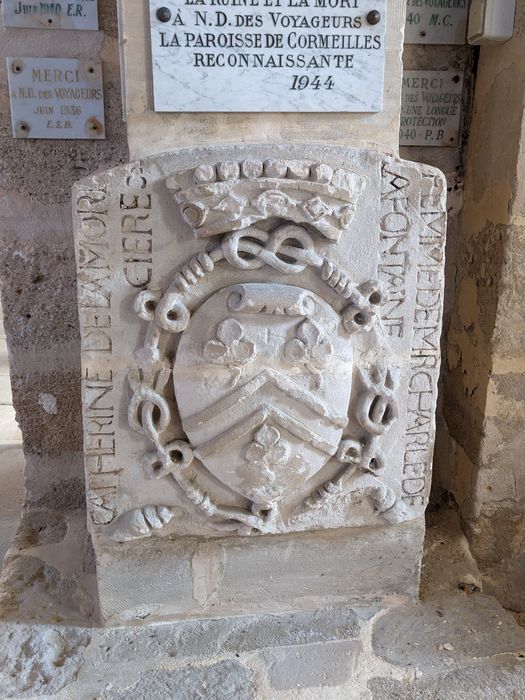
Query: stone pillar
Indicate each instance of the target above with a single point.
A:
(260, 321)
(37, 264)
(485, 381)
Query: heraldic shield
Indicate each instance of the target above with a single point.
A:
(263, 377)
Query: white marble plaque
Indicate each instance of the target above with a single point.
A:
(430, 108)
(436, 21)
(56, 98)
(268, 55)
(59, 14)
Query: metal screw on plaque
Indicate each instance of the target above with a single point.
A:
(17, 67)
(164, 14)
(22, 129)
(373, 17)
(94, 127)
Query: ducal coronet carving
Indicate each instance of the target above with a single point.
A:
(267, 381)
(216, 199)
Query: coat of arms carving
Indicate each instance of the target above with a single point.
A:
(263, 387)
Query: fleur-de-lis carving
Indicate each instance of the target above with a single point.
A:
(264, 455)
(309, 348)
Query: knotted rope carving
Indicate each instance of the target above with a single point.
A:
(288, 250)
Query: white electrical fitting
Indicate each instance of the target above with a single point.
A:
(491, 21)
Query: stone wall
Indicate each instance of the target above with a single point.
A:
(412, 652)
(37, 267)
(484, 380)
(450, 160)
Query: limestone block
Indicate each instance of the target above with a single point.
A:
(228, 680)
(315, 665)
(209, 637)
(260, 351)
(37, 264)
(39, 659)
(181, 577)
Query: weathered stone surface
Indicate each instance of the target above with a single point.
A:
(269, 386)
(448, 564)
(41, 527)
(485, 382)
(474, 645)
(501, 679)
(37, 264)
(298, 427)
(11, 495)
(48, 575)
(497, 540)
(201, 638)
(358, 566)
(226, 680)
(314, 665)
(39, 659)
(446, 632)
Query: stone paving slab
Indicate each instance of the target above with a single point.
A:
(446, 632)
(501, 679)
(461, 647)
(453, 646)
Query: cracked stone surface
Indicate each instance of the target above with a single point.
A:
(39, 659)
(446, 632)
(226, 680)
(503, 679)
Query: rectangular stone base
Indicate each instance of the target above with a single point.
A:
(232, 576)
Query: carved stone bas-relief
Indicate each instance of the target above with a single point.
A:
(260, 341)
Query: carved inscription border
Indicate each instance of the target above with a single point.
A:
(254, 216)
